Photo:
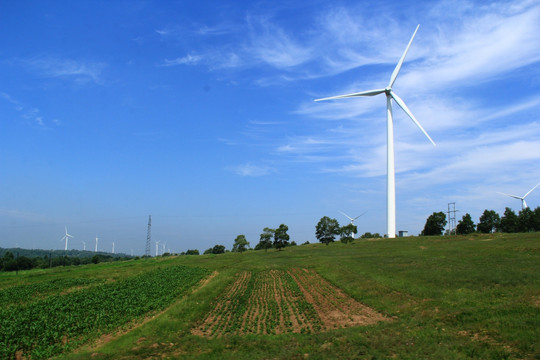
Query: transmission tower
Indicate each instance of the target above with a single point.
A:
(148, 237)
(452, 218)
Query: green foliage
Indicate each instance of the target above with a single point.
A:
(435, 224)
(326, 230)
(59, 322)
(281, 238)
(266, 238)
(218, 249)
(192, 252)
(465, 225)
(369, 235)
(347, 232)
(509, 221)
(526, 220)
(240, 244)
(489, 222)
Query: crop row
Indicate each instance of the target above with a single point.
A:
(21, 294)
(61, 322)
(266, 302)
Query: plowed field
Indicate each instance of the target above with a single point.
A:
(276, 301)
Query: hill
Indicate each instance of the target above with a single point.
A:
(464, 297)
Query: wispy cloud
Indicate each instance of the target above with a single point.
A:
(252, 170)
(80, 71)
(28, 113)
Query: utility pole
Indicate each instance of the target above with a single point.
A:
(148, 237)
(452, 218)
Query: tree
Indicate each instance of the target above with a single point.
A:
(192, 252)
(489, 222)
(281, 238)
(525, 220)
(347, 232)
(207, 251)
(265, 241)
(509, 221)
(435, 224)
(536, 219)
(240, 244)
(326, 230)
(465, 225)
(218, 249)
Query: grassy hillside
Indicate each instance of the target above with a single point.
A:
(442, 297)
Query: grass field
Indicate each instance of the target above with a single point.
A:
(414, 298)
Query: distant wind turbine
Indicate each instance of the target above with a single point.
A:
(95, 250)
(66, 238)
(84, 245)
(352, 219)
(157, 248)
(113, 247)
(522, 198)
(390, 166)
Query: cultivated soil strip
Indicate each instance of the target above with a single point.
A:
(276, 301)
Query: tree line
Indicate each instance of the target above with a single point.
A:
(490, 221)
(12, 261)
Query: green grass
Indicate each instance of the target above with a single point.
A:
(449, 297)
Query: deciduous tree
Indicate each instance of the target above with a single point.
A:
(240, 244)
(347, 232)
(435, 224)
(326, 230)
(509, 221)
(281, 238)
(465, 225)
(266, 238)
(489, 222)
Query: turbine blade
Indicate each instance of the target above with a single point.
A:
(400, 62)
(514, 196)
(347, 216)
(362, 93)
(362, 214)
(404, 107)
(530, 191)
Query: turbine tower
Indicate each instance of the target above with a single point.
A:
(113, 247)
(95, 250)
(390, 166)
(84, 245)
(352, 219)
(66, 238)
(157, 248)
(522, 198)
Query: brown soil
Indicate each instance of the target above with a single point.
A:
(275, 301)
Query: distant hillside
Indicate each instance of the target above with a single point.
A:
(32, 253)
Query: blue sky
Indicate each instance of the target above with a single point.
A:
(202, 115)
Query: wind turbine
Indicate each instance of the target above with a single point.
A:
(390, 166)
(113, 247)
(84, 245)
(66, 238)
(163, 247)
(352, 219)
(522, 198)
(95, 250)
(157, 248)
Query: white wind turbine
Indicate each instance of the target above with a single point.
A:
(390, 167)
(352, 219)
(113, 247)
(66, 238)
(95, 249)
(522, 198)
(157, 248)
(84, 244)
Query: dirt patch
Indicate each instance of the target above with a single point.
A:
(276, 301)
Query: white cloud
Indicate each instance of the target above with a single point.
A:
(81, 71)
(249, 169)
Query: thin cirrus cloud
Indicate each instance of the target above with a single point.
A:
(249, 169)
(81, 72)
(28, 113)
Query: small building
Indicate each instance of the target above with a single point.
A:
(403, 233)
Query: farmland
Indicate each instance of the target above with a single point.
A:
(447, 297)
